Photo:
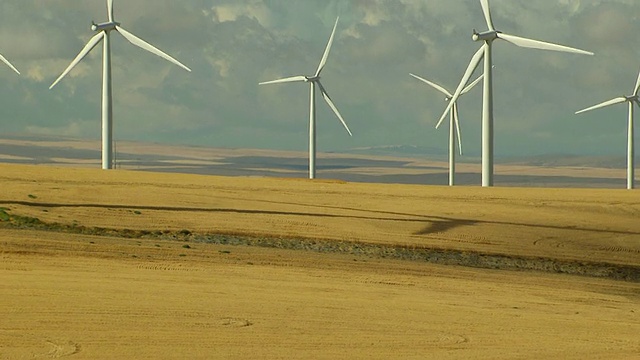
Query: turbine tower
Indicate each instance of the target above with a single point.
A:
(454, 123)
(104, 34)
(313, 81)
(487, 37)
(4, 60)
(631, 99)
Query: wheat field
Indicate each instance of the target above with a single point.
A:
(123, 264)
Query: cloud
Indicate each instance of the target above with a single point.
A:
(76, 128)
(233, 45)
(232, 11)
(35, 73)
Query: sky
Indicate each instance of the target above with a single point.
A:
(231, 45)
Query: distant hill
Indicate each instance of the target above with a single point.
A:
(407, 164)
(398, 150)
(563, 160)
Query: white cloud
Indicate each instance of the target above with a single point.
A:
(77, 128)
(231, 12)
(231, 45)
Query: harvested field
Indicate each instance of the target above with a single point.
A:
(126, 264)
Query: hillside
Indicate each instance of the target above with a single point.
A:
(135, 264)
(390, 164)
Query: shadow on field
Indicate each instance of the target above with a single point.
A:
(441, 224)
(435, 224)
(422, 218)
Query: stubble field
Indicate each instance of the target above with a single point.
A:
(123, 264)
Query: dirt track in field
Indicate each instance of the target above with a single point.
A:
(162, 291)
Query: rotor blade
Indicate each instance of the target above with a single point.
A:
(285, 80)
(637, 88)
(475, 61)
(472, 85)
(4, 60)
(456, 119)
(87, 48)
(618, 100)
(433, 85)
(487, 13)
(326, 97)
(110, 10)
(325, 56)
(150, 48)
(535, 44)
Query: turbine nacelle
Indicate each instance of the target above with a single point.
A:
(485, 36)
(312, 78)
(316, 85)
(632, 98)
(103, 34)
(108, 26)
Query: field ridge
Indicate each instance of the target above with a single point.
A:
(465, 258)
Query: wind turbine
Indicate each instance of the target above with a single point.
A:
(631, 99)
(313, 81)
(4, 60)
(104, 34)
(454, 123)
(487, 37)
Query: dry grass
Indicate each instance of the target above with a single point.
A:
(570, 224)
(108, 297)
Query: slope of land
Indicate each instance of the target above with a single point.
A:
(91, 297)
(393, 166)
(124, 264)
(564, 224)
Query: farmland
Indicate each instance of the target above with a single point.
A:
(147, 265)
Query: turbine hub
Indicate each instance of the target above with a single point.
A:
(312, 78)
(108, 26)
(485, 36)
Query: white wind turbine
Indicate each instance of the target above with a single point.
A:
(313, 80)
(487, 108)
(631, 99)
(4, 60)
(104, 34)
(454, 123)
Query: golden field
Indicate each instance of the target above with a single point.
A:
(118, 264)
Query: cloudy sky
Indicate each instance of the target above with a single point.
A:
(231, 45)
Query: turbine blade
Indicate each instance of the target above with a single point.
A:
(615, 101)
(325, 56)
(456, 119)
(433, 85)
(150, 48)
(87, 48)
(110, 10)
(475, 61)
(637, 88)
(4, 60)
(535, 44)
(472, 85)
(487, 13)
(285, 80)
(326, 97)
